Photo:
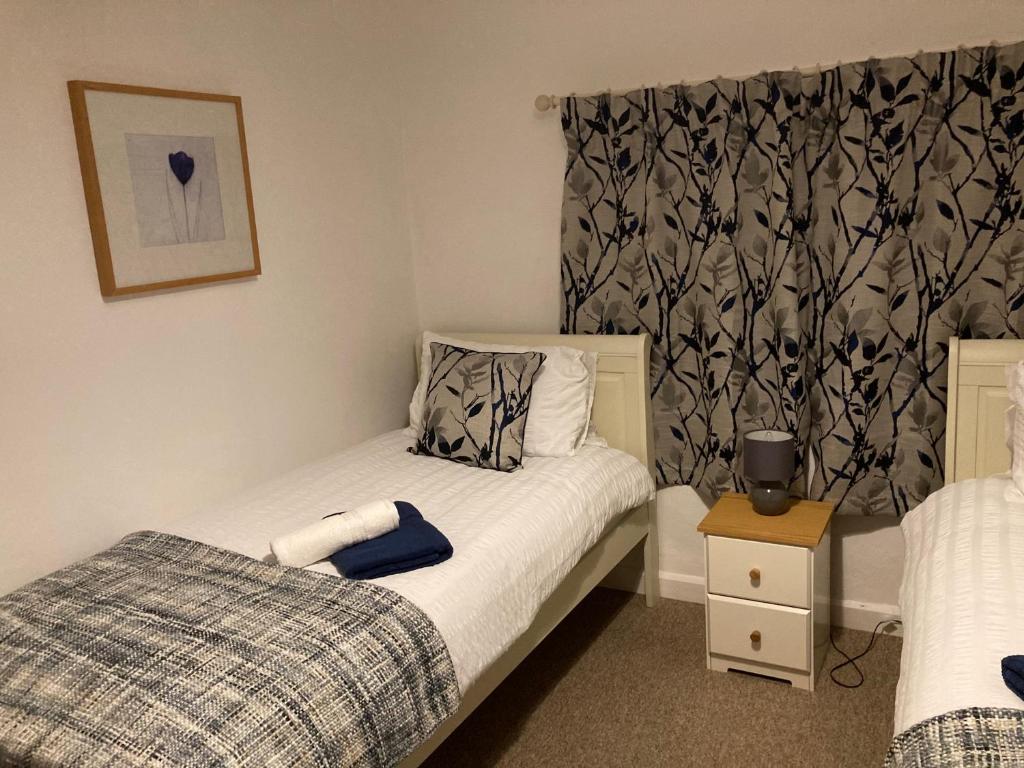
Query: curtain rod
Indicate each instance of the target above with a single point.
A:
(544, 102)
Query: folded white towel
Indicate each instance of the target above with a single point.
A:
(325, 537)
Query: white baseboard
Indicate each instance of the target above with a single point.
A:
(681, 586)
(851, 614)
(674, 586)
(854, 614)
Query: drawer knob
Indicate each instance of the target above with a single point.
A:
(755, 574)
(755, 636)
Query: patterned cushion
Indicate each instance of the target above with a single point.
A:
(476, 406)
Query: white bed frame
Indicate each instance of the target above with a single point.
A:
(622, 415)
(976, 406)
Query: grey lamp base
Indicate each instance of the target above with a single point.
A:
(770, 501)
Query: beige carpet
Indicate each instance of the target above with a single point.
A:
(618, 684)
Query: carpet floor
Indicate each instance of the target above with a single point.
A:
(617, 684)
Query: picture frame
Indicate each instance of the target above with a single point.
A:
(167, 187)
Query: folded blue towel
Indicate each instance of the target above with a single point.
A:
(415, 543)
(1013, 674)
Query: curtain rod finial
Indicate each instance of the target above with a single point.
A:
(544, 102)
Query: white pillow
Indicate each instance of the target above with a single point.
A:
(1009, 425)
(1015, 425)
(563, 394)
(593, 438)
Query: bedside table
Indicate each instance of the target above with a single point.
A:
(767, 589)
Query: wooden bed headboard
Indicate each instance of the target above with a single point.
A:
(622, 402)
(976, 403)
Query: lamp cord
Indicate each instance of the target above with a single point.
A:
(851, 661)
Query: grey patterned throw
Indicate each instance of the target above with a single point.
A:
(164, 651)
(476, 406)
(964, 738)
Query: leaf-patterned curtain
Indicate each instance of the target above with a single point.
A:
(801, 248)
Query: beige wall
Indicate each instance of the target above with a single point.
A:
(485, 169)
(117, 415)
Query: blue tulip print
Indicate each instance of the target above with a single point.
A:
(183, 166)
(176, 188)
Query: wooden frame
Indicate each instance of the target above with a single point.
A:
(77, 90)
(622, 415)
(976, 403)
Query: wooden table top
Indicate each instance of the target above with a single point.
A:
(733, 516)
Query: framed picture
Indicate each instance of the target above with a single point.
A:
(167, 188)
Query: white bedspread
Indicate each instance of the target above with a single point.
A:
(962, 599)
(515, 535)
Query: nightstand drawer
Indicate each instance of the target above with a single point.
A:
(768, 634)
(769, 573)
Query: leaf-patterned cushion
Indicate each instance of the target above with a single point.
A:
(476, 406)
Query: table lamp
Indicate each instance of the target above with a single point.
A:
(769, 457)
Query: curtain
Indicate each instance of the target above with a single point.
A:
(801, 248)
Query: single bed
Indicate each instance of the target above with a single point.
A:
(529, 544)
(962, 596)
(517, 535)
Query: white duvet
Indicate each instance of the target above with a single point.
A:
(515, 535)
(962, 599)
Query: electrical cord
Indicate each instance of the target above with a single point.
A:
(851, 661)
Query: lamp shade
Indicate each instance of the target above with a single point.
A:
(769, 455)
